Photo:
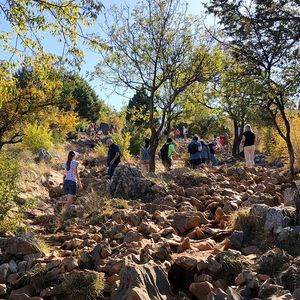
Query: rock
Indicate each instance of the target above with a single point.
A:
(188, 220)
(13, 266)
(296, 294)
(70, 263)
(144, 282)
(101, 251)
(203, 277)
(129, 183)
(186, 262)
(201, 289)
(44, 155)
(233, 294)
(274, 218)
(184, 245)
(3, 289)
(20, 245)
(56, 192)
(23, 296)
(147, 228)
(236, 239)
(213, 265)
(4, 272)
(267, 289)
(132, 236)
(72, 244)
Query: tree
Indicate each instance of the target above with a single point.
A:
(26, 23)
(86, 102)
(158, 47)
(265, 36)
(34, 89)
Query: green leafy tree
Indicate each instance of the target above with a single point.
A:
(265, 36)
(26, 23)
(83, 97)
(158, 47)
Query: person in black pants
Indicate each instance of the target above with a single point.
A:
(113, 156)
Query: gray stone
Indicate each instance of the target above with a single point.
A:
(4, 272)
(236, 239)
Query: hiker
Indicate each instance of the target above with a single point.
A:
(205, 155)
(248, 145)
(166, 153)
(177, 133)
(145, 156)
(184, 132)
(212, 151)
(113, 156)
(194, 149)
(71, 179)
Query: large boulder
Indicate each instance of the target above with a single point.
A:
(274, 218)
(129, 183)
(20, 245)
(143, 282)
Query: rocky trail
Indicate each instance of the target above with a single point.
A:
(212, 233)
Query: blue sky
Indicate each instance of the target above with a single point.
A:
(105, 92)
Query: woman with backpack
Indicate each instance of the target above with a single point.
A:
(71, 179)
(145, 156)
(248, 145)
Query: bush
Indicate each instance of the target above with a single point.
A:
(123, 142)
(101, 150)
(136, 143)
(9, 175)
(84, 285)
(37, 137)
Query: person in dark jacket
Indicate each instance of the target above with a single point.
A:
(248, 145)
(113, 156)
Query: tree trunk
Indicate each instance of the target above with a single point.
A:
(237, 138)
(154, 139)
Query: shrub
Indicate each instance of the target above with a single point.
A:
(84, 285)
(136, 143)
(101, 150)
(123, 142)
(37, 137)
(9, 175)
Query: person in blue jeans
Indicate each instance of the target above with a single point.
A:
(113, 156)
(71, 179)
(212, 151)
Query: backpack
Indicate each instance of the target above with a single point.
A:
(193, 148)
(164, 151)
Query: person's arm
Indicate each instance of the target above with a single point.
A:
(242, 143)
(78, 177)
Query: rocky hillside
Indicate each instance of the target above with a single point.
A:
(213, 233)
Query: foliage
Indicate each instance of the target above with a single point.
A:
(37, 137)
(27, 22)
(101, 150)
(86, 103)
(156, 47)
(9, 175)
(123, 142)
(84, 285)
(264, 36)
(272, 262)
(34, 89)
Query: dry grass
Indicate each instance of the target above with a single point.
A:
(84, 285)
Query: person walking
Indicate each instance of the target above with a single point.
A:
(194, 149)
(212, 151)
(71, 179)
(113, 156)
(145, 156)
(185, 133)
(248, 145)
(166, 153)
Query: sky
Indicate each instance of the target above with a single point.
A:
(106, 92)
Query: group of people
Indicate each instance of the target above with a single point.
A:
(96, 129)
(199, 153)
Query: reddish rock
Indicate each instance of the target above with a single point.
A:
(201, 289)
(185, 245)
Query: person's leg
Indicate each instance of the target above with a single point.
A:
(70, 189)
(247, 156)
(169, 164)
(252, 151)
(213, 159)
(111, 169)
